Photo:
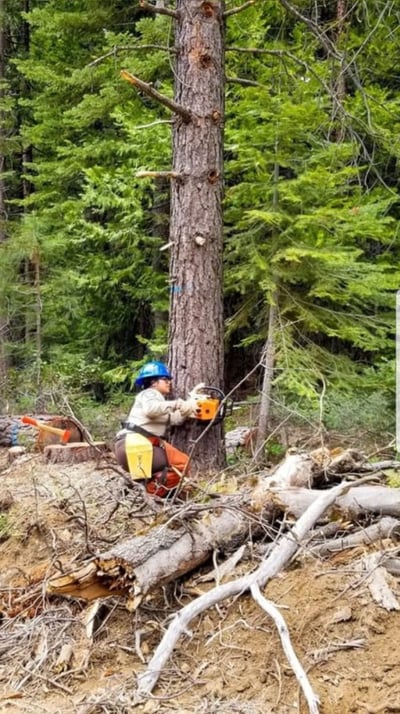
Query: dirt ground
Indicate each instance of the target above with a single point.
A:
(232, 658)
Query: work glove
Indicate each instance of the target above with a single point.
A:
(176, 418)
(187, 407)
(195, 391)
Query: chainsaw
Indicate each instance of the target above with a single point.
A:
(212, 405)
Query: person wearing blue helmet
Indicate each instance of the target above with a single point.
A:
(152, 370)
(151, 415)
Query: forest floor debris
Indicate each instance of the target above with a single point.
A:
(63, 655)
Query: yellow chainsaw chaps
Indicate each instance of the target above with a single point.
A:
(139, 454)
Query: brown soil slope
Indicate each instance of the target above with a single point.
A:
(60, 655)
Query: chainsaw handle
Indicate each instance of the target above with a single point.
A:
(218, 392)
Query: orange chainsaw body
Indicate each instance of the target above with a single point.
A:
(211, 405)
(207, 408)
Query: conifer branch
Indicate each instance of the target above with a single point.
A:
(329, 46)
(282, 54)
(159, 10)
(129, 48)
(340, 108)
(161, 98)
(235, 10)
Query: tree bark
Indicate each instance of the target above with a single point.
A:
(196, 307)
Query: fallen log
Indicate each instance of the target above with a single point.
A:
(323, 466)
(379, 500)
(163, 554)
(387, 527)
(167, 551)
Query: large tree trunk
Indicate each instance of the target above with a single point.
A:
(196, 308)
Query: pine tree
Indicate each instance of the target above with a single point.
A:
(334, 205)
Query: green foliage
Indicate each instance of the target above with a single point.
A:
(360, 411)
(102, 277)
(274, 450)
(310, 225)
(311, 201)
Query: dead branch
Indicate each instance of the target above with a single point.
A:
(129, 48)
(158, 9)
(244, 82)
(271, 609)
(235, 10)
(378, 581)
(159, 174)
(380, 466)
(280, 555)
(386, 528)
(154, 123)
(324, 652)
(327, 44)
(157, 96)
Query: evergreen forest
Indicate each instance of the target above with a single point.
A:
(311, 203)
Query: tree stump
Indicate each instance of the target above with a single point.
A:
(74, 453)
(14, 433)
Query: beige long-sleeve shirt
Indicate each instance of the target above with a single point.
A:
(153, 412)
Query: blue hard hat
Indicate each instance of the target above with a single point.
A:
(154, 370)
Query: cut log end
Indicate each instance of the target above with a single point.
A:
(74, 453)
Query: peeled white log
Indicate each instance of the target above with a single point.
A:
(381, 500)
(271, 609)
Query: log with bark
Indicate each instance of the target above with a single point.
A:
(188, 538)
